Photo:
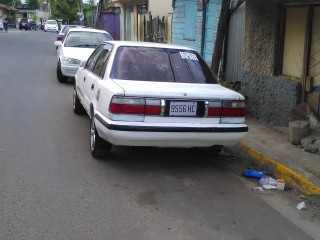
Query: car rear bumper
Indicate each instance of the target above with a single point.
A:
(166, 136)
(69, 70)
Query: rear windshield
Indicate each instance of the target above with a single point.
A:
(65, 28)
(161, 65)
(51, 22)
(86, 39)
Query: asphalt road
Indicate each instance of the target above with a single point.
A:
(51, 187)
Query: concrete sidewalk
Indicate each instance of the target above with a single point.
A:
(270, 148)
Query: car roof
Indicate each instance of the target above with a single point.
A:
(148, 44)
(82, 29)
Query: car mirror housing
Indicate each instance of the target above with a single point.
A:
(83, 63)
(58, 43)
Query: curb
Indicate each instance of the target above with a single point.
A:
(281, 171)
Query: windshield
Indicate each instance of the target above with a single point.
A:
(161, 65)
(86, 39)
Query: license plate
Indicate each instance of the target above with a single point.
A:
(183, 108)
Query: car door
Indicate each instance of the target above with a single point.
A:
(97, 74)
(86, 75)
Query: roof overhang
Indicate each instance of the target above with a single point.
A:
(133, 2)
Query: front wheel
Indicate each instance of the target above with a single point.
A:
(61, 78)
(97, 144)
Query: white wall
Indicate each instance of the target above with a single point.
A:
(160, 7)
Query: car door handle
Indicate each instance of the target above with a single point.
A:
(92, 86)
(84, 79)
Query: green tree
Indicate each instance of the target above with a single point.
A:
(10, 2)
(6, 2)
(64, 9)
(33, 4)
(88, 12)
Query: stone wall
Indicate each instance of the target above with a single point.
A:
(270, 98)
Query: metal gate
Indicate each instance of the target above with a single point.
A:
(235, 45)
(155, 29)
(110, 22)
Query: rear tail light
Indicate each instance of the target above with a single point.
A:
(233, 109)
(136, 106)
(229, 111)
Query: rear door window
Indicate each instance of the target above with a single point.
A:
(91, 62)
(161, 65)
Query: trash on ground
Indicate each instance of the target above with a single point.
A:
(269, 187)
(258, 188)
(268, 182)
(302, 196)
(253, 174)
(280, 184)
(301, 206)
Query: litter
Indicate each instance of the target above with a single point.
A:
(268, 182)
(253, 174)
(258, 188)
(302, 196)
(280, 184)
(301, 206)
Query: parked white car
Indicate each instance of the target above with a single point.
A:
(149, 94)
(51, 25)
(77, 46)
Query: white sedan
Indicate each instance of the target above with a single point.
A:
(77, 46)
(51, 25)
(149, 94)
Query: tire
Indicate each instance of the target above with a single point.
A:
(77, 106)
(60, 77)
(98, 146)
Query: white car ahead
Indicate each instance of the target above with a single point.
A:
(51, 25)
(149, 94)
(77, 46)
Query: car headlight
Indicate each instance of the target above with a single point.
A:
(71, 61)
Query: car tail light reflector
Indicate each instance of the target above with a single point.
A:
(152, 110)
(233, 109)
(137, 106)
(214, 108)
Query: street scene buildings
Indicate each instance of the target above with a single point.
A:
(160, 119)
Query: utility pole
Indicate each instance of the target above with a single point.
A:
(221, 33)
(99, 7)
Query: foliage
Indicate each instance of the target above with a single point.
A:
(33, 4)
(35, 18)
(9, 2)
(88, 12)
(6, 2)
(236, 86)
(64, 9)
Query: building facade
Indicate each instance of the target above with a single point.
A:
(194, 24)
(281, 59)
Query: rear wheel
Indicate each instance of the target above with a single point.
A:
(77, 106)
(60, 76)
(98, 146)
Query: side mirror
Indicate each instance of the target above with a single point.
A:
(83, 63)
(58, 43)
